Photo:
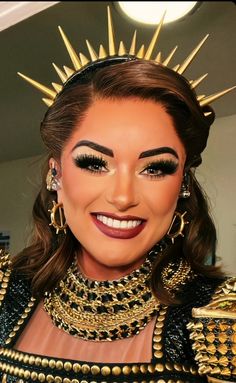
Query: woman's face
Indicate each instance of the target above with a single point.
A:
(121, 173)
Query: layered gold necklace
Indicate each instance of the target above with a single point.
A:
(103, 310)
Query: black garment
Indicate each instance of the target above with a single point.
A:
(172, 360)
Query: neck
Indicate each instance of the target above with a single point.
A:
(93, 269)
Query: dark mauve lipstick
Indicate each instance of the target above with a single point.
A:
(119, 232)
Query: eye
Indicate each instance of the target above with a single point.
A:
(160, 168)
(91, 163)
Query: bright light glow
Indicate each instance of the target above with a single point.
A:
(150, 12)
(12, 12)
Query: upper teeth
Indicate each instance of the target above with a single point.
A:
(123, 224)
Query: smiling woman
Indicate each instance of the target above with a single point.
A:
(108, 296)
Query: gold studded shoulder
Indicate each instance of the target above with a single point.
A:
(5, 261)
(5, 272)
(213, 333)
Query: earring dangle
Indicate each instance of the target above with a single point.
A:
(52, 182)
(179, 230)
(185, 192)
(57, 208)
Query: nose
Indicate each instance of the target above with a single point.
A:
(123, 193)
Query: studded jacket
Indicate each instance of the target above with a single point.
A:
(174, 346)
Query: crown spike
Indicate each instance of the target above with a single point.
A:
(102, 52)
(68, 71)
(190, 58)
(195, 83)
(57, 87)
(168, 58)
(154, 39)
(60, 73)
(158, 58)
(201, 97)
(140, 53)
(111, 36)
(74, 58)
(37, 85)
(215, 96)
(92, 52)
(176, 67)
(133, 44)
(122, 50)
(84, 60)
(47, 101)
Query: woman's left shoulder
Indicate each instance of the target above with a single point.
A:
(213, 334)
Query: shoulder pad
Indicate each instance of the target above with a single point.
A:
(213, 332)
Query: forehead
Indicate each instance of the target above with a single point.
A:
(138, 123)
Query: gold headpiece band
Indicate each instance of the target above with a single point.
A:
(82, 62)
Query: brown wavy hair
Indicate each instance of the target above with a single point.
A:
(47, 258)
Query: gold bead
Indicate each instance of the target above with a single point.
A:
(50, 378)
(223, 326)
(68, 366)
(34, 375)
(223, 337)
(223, 361)
(177, 367)
(151, 368)
(159, 367)
(26, 358)
(226, 372)
(210, 337)
(185, 368)
(76, 367)
(52, 363)
(58, 379)
(32, 359)
(66, 380)
(143, 368)
(161, 381)
(211, 349)
(222, 348)
(158, 354)
(157, 346)
(157, 338)
(159, 325)
(44, 362)
(95, 370)
(169, 366)
(37, 361)
(158, 331)
(26, 374)
(135, 369)
(126, 370)
(105, 370)
(41, 377)
(233, 361)
(59, 364)
(233, 338)
(85, 368)
(116, 370)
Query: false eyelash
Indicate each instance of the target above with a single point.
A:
(89, 161)
(166, 167)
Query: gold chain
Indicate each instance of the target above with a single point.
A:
(103, 310)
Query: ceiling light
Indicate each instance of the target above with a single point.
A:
(150, 12)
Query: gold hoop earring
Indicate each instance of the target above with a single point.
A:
(179, 230)
(57, 207)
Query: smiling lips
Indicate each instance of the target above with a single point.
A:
(125, 227)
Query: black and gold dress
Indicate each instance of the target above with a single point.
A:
(184, 348)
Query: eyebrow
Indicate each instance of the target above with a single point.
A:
(162, 150)
(93, 145)
(109, 152)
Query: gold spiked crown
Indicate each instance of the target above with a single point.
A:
(81, 63)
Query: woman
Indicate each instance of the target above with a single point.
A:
(122, 233)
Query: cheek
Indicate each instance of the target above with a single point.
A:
(162, 197)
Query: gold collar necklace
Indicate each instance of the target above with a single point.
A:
(104, 310)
